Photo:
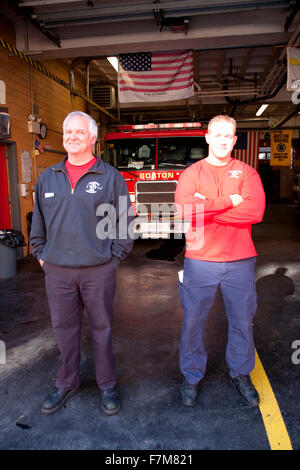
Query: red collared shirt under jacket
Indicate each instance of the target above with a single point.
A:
(220, 232)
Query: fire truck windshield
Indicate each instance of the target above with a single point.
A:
(131, 153)
(179, 152)
(140, 153)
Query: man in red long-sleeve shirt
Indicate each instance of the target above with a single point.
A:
(221, 197)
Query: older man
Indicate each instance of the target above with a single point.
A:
(221, 197)
(80, 234)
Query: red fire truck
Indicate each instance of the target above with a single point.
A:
(151, 158)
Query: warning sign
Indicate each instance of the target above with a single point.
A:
(281, 148)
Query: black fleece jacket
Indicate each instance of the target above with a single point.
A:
(86, 226)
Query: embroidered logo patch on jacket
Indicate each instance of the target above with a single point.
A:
(235, 173)
(93, 186)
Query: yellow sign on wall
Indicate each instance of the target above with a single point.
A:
(281, 148)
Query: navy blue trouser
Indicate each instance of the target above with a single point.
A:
(197, 293)
(69, 290)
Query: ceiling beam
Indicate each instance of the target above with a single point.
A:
(288, 117)
(26, 13)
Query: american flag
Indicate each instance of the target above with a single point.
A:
(247, 148)
(38, 146)
(151, 77)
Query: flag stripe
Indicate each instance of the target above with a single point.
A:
(173, 58)
(155, 81)
(160, 75)
(172, 54)
(294, 61)
(173, 62)
(250, 155)
(175, 67)
(167, 69)
(148, 90)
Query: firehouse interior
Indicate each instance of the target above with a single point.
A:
(244, 62)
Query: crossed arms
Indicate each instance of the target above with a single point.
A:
(237, 209)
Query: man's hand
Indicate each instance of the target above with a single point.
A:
(41, 261)
(236, 199)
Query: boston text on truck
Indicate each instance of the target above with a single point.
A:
(151, 157)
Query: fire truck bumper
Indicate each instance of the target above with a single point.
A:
(161, 228)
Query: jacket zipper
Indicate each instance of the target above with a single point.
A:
(73, 189)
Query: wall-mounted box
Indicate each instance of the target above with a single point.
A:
(33, 127)
(23, 190)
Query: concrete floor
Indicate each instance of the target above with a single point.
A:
(146, 336)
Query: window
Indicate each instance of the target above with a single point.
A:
(136, 154)
(179, 152)
(264, 153)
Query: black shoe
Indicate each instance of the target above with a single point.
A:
(55, 400)
(110, 401)
(189, 393)
(246, 388)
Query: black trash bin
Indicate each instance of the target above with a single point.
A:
(10, 240)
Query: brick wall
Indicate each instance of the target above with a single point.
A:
(28, 90)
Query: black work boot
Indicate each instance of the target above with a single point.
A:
(189, 393)
(110, 401)
(55, 400)
(246, 388)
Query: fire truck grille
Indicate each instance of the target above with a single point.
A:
(155, 197)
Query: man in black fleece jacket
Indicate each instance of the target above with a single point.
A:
(80, 233)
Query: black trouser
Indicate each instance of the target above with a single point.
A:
(69, 290)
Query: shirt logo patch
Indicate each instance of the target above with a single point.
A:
(235, 173)
(93, 186)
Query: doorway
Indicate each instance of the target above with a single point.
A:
(5, 218)
(9, 190)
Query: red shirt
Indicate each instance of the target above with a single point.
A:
(76, 171)
(220, 232)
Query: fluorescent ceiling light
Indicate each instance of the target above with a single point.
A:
(261, 109)
(114, 62)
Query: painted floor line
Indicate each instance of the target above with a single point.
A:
(275, 427)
